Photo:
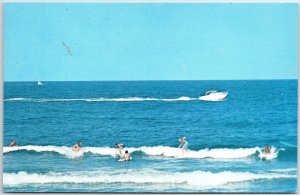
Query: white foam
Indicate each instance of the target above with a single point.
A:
(219, 153)
(18, 99)
(165, 151)
(64, 150)
(144, 176)
(285, 170)
(101, 99)
(273, 153)
(184, 98)
(104, 151)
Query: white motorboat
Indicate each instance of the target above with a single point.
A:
(39, 83)
(214, 96)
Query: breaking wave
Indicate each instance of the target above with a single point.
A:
(64, 150)
(164, 151)
(144, 176)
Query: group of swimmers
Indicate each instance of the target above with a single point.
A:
(119, 151)
(119, 148)
(126, 156)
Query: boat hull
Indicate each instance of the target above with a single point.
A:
(219, 96)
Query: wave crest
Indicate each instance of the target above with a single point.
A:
(164, 151)
(64, 150)
(145, 176)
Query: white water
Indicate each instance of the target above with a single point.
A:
(129, 99)
(101, 99)
(273, 154)
(64, 150)
(144, 176)
(164, 151)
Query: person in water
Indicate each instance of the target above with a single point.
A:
(183, 144)
(13, 143)
(76, 147)
(267, 149)
(127, 156)
(119, 148)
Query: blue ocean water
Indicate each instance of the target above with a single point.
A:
(225, 138)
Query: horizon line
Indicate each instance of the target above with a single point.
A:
(150, 1)
(149, 80)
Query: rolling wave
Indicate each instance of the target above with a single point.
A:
(64, 150)
(143, 176)
(164, 151)
(101, 99)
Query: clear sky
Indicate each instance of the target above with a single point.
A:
(60, 41)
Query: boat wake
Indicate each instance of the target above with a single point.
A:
(219, 96)
(101, 99)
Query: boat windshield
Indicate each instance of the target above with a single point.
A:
(210, 92)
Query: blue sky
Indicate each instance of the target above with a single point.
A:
(69, 42)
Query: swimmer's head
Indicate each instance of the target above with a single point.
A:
(126, 152)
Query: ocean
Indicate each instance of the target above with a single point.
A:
(226, 138)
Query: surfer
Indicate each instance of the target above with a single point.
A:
(13, 143)
(76, 147)
(119, 148)
(183, 144)
(127, 156)
(267, 149)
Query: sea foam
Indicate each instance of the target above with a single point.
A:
(144, 176)
(273, 153)
(64, 150)
(164, 151)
